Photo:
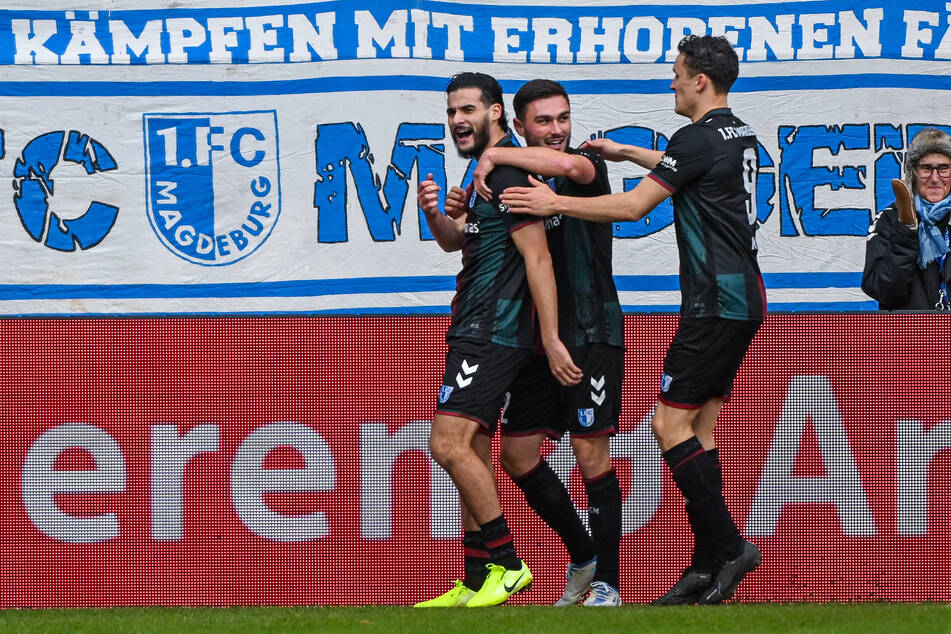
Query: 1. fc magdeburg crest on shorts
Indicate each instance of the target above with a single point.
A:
(212, 182)
(665, 381)
(586, 417)
(444, 393)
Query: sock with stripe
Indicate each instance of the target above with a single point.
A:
(499, 543)
(697, 478)
(547, 496)
(476, 557)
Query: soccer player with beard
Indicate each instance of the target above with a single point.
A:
(592, 326)
(506, 278)
(709, 169)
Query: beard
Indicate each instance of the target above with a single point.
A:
(480, 139)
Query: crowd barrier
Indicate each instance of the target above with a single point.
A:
(282, 460)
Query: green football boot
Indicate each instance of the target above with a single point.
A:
(457, 597)
(500, 585)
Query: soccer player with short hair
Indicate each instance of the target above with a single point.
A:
(506, 278)
(709, 168)
(591, 324)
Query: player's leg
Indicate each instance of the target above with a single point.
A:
(593, 454)
(733, 563)
(703, 560)
(593, 409)
(684, 393)
(729, 563)
(447, 433)
(520, 454)
(703, 427)
(451, 447)
(475, 554)
(698, 373)
(450, 444)
(531, 416)
(604, 515)
(673, 428)
(475, 558)
(705, 422)
(460, 442)
(546, 494)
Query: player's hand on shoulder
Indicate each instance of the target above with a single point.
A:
(483, 169)
(608, 150)
(538, 199)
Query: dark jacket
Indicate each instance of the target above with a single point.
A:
(891, 272)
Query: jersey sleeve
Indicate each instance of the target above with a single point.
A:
(500, 179)
(594, 157)
(688, 155)
(599, 184)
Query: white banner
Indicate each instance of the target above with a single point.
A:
(230, 157)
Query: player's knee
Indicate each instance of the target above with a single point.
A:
(663, 429)
(517, 463)
(593, 465)
(593, 456)
(444, 449)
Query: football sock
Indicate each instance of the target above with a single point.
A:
(604, 518)
(499, 542)
(715, 458)
(704, 557)
(475, 557)
(697, 478)
(546, 495)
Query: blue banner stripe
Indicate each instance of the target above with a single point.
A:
(771, 281)
(438, 84)
(402, 311)
(302, 288)
(812, 280)
(836, 307)
(371, 285)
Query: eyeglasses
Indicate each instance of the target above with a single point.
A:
(924, 170)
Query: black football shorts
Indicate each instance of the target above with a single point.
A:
(703, 359)
(478, 375)
(538, 404)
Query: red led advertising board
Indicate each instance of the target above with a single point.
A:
(282, 460)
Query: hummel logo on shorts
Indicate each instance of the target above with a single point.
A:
(468, 371)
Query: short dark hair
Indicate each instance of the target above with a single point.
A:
(714, 57)
(534, 90)
(490, 88)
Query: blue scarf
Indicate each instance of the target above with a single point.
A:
(932, 245)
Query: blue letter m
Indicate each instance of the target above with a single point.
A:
(340, 146)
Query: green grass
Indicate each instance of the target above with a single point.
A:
(868, 618)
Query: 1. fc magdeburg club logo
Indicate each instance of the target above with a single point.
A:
(212, 181)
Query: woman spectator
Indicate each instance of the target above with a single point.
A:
(907, 247)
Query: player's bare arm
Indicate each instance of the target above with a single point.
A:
(614, 151)
(446, 230)
(536, 160)
(539, 200)
(532, 244)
